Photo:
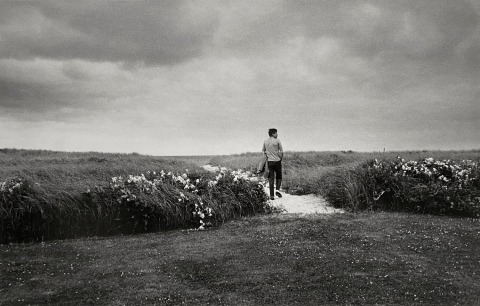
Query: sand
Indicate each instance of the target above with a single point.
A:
(303, 204)
(294, 204)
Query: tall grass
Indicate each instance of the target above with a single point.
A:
(65, 171)
(49, 195)
(346, 180)
(62, 195)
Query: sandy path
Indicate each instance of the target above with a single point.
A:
(304, 204)
(293, 204)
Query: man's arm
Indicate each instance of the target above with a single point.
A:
(280, 150)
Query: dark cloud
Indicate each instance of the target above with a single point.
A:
(407, 43)
(169, 32)
(41, 88)
(415, 29)
(402, 43)
(151, 32)
(14, 94)
(37, 98)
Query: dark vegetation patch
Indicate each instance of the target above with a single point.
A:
(381, 258)
(53, 195)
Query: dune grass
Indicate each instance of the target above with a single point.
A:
(59, 172)
(54, 195)
(382, 258)
(303, 170)
(66, 195)
(348, 180)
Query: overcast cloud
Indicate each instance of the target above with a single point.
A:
(210, 77)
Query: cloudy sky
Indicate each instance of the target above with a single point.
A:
(210, 77)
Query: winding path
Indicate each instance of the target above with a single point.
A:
(294, 204)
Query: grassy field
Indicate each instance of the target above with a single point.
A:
(57, 172)
(372, 257)
(382, 258)
(47, 195)
(67, 171)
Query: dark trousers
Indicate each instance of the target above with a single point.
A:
(274, 174)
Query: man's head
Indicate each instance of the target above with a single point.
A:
(272, 132)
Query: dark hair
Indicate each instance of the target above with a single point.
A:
(271, 132)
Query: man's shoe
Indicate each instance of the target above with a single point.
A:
(272, 198)
(278, 194)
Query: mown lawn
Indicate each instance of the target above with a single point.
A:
(384, 258)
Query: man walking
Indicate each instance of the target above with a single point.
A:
(272, 148)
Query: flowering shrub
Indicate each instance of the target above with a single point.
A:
(232, 192)
(12, 186)
(247, 190)
(203, 215)
(140, 193)
(429, 185)
(135, 203)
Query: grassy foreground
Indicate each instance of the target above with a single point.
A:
(384, 258)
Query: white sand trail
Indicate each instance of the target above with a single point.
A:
(294, 204)
(302, 204)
